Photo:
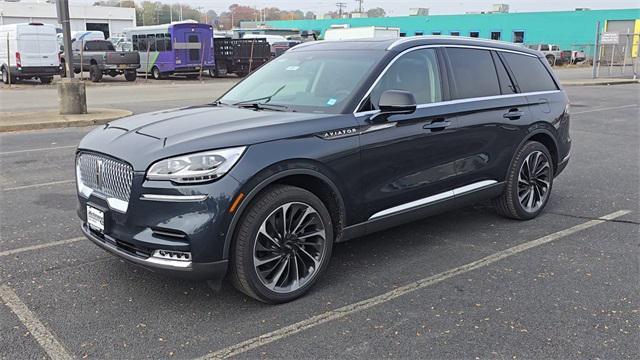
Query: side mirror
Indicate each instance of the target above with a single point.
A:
(397, 102)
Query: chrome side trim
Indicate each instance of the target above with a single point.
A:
(467, 100)
(430, 199)
(566, 157)
(173, 198)
(472, 187)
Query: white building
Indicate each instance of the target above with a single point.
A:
(110, 20)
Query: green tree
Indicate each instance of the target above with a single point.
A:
(376, 12)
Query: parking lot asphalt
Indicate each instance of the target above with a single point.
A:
(464, 284)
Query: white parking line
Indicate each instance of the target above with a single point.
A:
(43, 336)
(41, 246)
(605, 109)
(38, 149)
(406, 289)
(39, 185)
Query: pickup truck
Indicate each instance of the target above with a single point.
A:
(101, 58)
(552, 53)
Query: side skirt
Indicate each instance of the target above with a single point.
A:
(417, 213)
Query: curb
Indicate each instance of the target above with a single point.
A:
(95, 117)
(599, 83)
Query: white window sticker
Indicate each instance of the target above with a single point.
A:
(293, 68)
(332, 101)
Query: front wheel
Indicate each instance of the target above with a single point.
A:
(529, 183)
(282, 245)
(156, 74)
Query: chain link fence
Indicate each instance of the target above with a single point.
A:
(618, 55)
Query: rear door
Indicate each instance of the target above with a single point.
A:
(194, 48)
(492, 115)
(48, 46)
(28, 45)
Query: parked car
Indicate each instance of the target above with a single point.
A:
(331, 141)
(101, 58)
(32, 52)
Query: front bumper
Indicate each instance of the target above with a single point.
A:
(214, 271)
(161, 216)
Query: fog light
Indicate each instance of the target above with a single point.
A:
(172, 255)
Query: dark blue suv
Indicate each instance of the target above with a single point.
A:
(330, 141)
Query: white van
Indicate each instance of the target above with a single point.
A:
(365, 32)
(32, 52)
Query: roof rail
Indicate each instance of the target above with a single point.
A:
(423, 37)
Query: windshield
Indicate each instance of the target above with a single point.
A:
(307, 81)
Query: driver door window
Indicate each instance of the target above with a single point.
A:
(416, 72)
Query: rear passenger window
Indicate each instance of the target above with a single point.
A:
(506, 86)
(473, 72)
(416, 72)
(530, 74)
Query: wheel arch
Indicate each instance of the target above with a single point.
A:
(304, 177)
(546, 138)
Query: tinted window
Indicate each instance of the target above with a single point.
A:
(530, 74)
(416, 72)
(544, 47)
(474, 34)
(506, 86)
(99, 45)
(495, 35)
(473, 72)
(455, 33)
(160, 44)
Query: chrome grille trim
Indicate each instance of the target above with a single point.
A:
(107, 177)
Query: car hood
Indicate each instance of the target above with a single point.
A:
(144, 138)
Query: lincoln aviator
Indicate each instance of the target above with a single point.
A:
(330, 141)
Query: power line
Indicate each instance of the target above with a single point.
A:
(341, 5)
(360, 5)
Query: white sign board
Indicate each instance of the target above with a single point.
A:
(610, 38)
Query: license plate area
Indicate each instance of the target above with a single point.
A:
(96, 218)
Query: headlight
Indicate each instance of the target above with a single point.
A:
(195, 168)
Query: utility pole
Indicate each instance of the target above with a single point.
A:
(171, 11)
(360, 5)
(341, 5)
(71, 92)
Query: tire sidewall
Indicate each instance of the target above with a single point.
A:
(155, 73)
(512, 185)
(5, 76)
(294, 195)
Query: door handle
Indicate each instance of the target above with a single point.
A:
(513, 114)
(437, 124)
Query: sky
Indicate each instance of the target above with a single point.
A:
(401, 7)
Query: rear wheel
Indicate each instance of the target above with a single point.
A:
(46, 79)
(529, 183)
(95, 75)
(63, 73)
(282, 245)
(130, 75)
(551, 60)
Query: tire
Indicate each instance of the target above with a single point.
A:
(156, 74)
(273, 281)
(525, 196)
(95, 75)
(551, 60)
(241, 74)
(130, 75)
(5, 75)
(212, 73)
(63, 73)
(46, 79)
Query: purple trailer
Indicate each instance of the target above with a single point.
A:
(182, 48)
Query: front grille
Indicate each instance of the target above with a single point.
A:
(105, 175)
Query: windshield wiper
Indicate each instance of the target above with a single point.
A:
(267, 98)
(263, 106)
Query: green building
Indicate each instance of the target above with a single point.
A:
(569, 29)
